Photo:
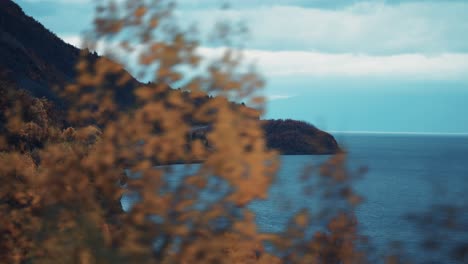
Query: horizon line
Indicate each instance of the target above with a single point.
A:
(402, 133)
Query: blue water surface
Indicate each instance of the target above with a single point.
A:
(407, 174)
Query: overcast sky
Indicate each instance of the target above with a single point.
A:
(343, 65)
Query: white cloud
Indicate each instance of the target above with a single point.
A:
(415, 66)
(446, 66)
(273, 97)
(62, 1)
(364, 27)
(102, 47)
(74, 40)
(429, 27)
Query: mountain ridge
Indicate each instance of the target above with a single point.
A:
(38, 61)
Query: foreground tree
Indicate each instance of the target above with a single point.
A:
(61, 186)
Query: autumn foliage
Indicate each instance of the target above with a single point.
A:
(62, 181)
(61, 186)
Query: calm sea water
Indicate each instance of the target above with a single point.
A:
(406, 174)
(410, 174)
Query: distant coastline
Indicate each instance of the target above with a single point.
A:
(399, 133)
(293, 137)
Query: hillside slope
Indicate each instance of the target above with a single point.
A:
(36, 60)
